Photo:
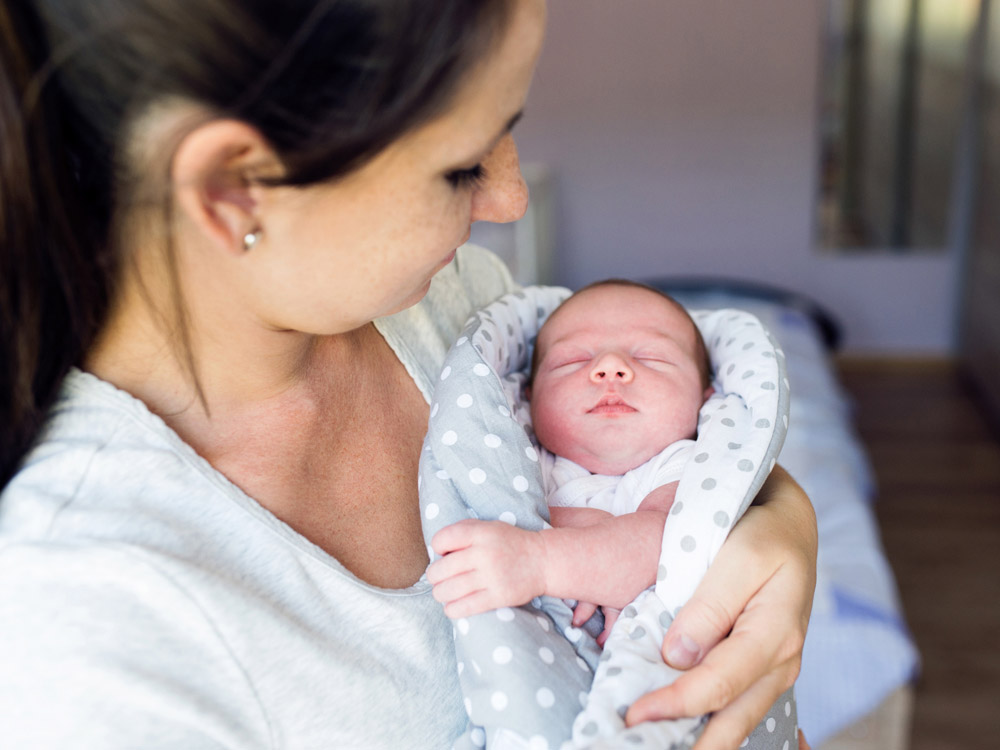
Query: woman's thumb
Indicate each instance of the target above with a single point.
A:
(700, 624)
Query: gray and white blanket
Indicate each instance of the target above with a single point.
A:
(526, 672)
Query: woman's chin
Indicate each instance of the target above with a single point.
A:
(418, 294)
(414, 298)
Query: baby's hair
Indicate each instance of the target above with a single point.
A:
(700, 353)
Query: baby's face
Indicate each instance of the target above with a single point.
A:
(617, 379)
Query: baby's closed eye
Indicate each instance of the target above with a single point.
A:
(578, 361)
(563, 358)
(656, 361)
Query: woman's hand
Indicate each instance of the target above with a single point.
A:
(741, 634)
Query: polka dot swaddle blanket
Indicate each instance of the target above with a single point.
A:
(526, 671)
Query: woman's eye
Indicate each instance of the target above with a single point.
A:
(466, 178)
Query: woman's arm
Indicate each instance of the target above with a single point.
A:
(742, 631)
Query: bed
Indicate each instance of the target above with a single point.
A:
(859, 661)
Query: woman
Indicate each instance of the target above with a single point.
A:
(213, 539)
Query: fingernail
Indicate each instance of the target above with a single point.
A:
(684, 653)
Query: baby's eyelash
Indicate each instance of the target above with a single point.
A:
(463, 178)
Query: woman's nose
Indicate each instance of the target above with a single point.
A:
(611, 367)
(503, 194)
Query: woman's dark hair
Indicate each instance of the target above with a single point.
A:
(329, 84)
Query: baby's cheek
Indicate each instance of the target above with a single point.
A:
(551, 425)
(684, 424)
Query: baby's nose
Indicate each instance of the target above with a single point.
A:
(611, 366)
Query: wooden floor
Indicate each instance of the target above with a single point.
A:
(937, 462)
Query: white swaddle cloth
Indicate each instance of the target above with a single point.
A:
(569, 485)
(525, 671)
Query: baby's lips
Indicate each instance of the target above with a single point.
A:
(612, 403)
(610, 399)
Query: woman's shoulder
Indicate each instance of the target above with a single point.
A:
(93, 433)
(107, 471)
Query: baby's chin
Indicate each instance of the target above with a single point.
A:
(617, 463)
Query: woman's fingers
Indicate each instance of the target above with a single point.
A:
(723, 594)
(730, 726)
(770, 554)
(764, 646)
(744, 627)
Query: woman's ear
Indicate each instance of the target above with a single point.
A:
(213, 178)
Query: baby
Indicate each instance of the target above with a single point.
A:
(619, 374)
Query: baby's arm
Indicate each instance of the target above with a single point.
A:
(576, 518)
(662, 498)
(490, 564)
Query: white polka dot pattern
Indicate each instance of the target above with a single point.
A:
(527, 670)
(741, 430)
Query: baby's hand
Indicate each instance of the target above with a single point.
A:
(610, 617)
(585, 610)
(486, 565)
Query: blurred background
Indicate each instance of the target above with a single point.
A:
(696, 137)
(849, 151)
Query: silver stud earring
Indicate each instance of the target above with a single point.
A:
(250, 239)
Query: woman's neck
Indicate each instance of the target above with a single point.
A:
(224, 367)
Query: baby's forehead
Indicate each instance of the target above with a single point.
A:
(592, 305)
(621, 312)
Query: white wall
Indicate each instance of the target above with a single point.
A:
(682, 136)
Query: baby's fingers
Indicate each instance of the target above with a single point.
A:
(474, 603)
(454, 537)
(450, 566)
(455, 587)
(583, 612)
